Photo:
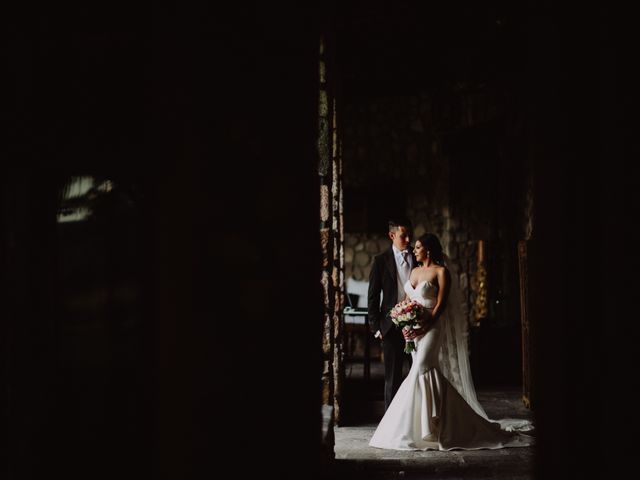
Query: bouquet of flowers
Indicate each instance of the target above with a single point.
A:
(407, 314)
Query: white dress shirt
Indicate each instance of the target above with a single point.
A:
(403, 265)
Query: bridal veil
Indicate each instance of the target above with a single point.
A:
(454, 352)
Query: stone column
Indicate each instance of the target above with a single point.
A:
(332, 237)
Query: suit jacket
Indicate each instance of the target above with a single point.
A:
(384, 279)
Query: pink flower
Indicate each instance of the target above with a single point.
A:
(405, 314)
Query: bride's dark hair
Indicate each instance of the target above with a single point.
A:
(432, 245)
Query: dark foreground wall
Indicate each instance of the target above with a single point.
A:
(583, 257)
(178, 333)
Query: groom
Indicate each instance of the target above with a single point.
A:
(389, 272)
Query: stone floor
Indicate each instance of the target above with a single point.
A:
(355, 459)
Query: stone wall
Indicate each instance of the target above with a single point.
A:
(359, 251)
(445, 160)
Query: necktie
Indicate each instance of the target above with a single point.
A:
(405, 262)
(404, 267)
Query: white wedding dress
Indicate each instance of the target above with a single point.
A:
(427, 412)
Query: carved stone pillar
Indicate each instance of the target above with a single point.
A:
(331, 234)
(481, 308)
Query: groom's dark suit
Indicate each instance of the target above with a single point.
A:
(384, 279)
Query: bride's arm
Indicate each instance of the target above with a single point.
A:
(443, 293)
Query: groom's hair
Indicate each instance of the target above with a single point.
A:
(396, 222)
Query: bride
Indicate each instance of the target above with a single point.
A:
(436, 407)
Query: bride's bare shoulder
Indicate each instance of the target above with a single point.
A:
(441, 270)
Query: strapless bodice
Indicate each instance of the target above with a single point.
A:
(425, 292)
